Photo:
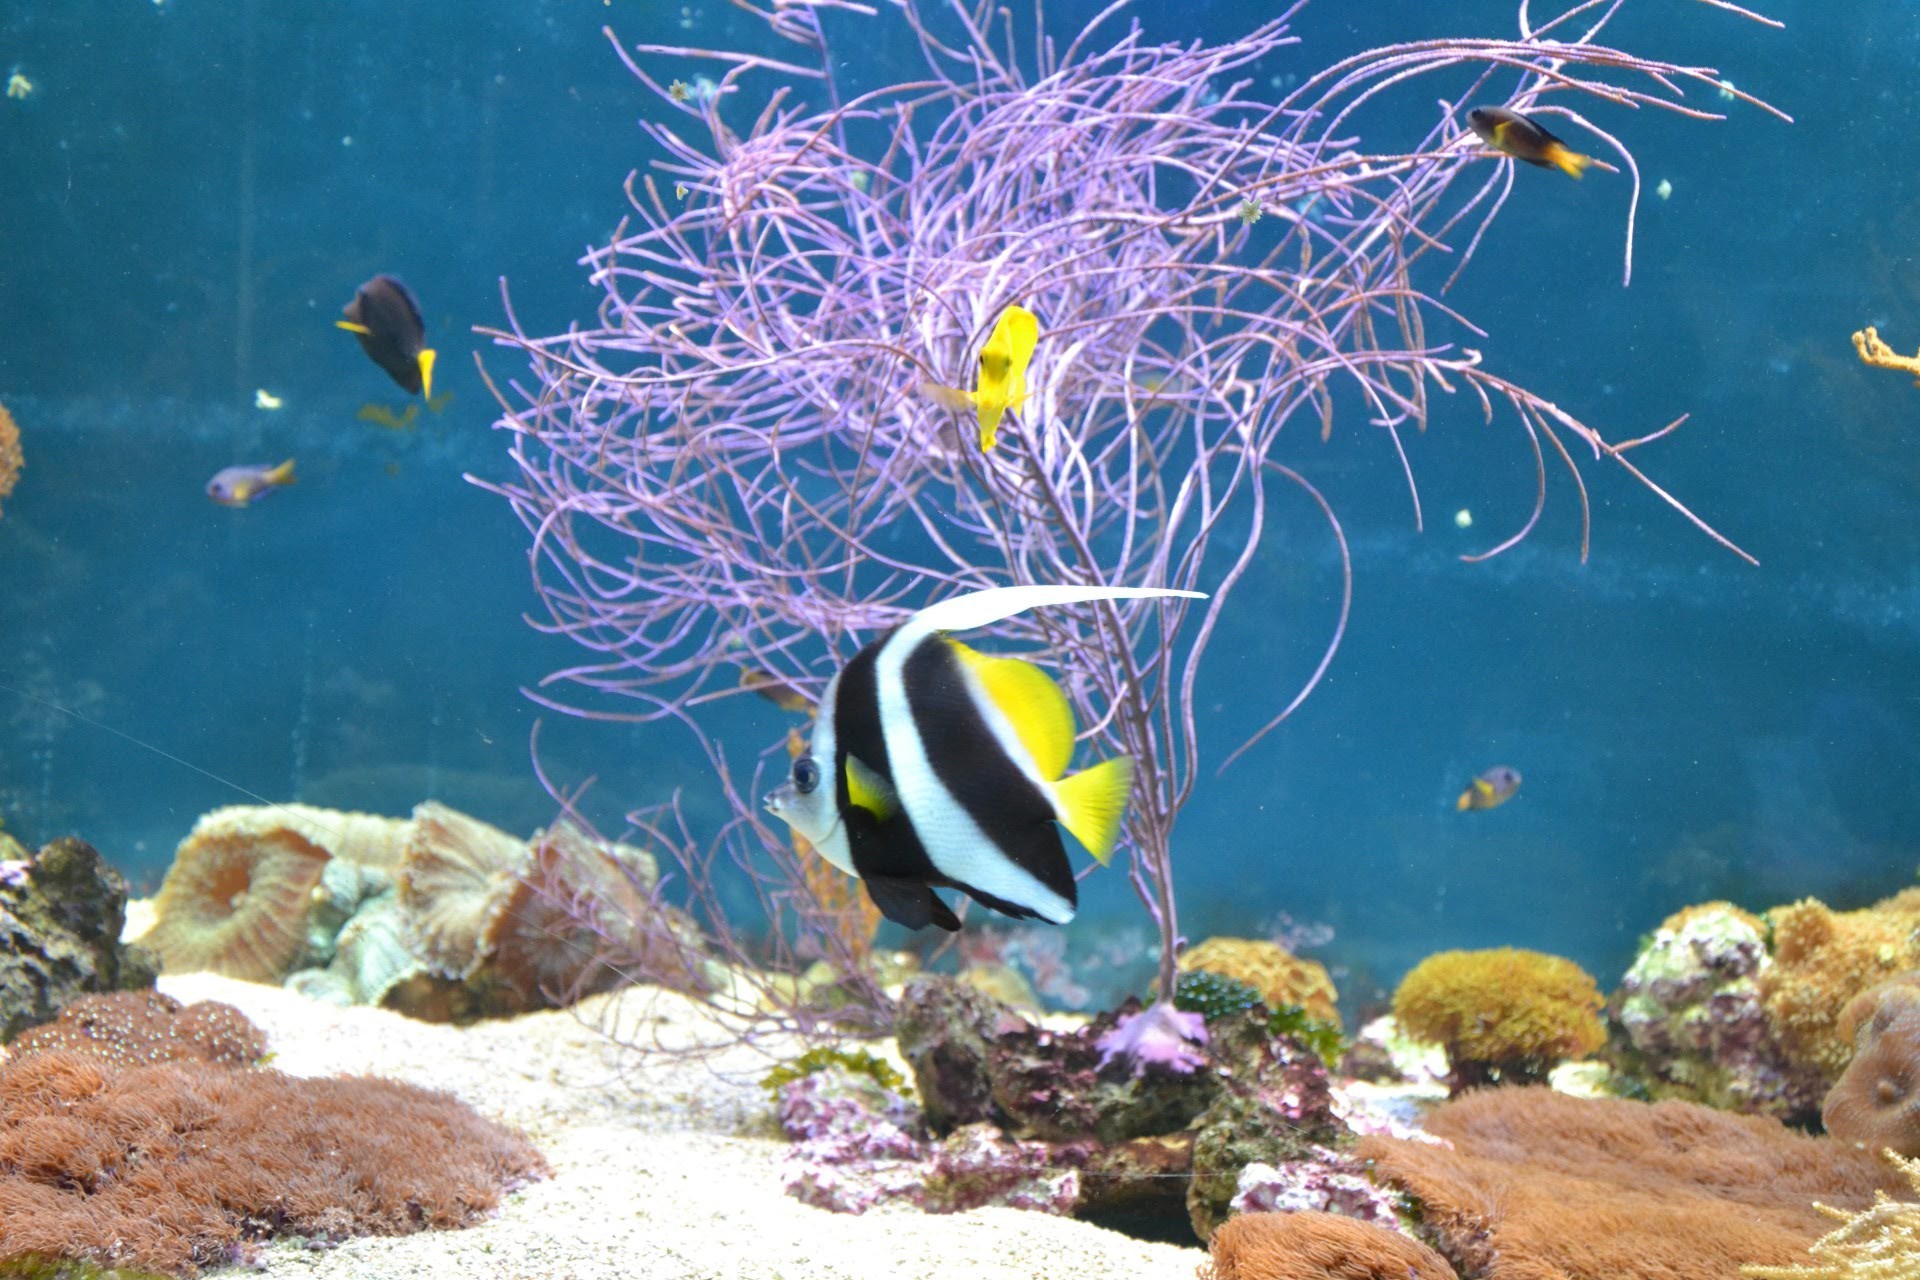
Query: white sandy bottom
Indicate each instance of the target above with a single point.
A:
(655, 1174)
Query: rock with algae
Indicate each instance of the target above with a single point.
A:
(1878, 1243)
(61, 912)
(1696, 1021)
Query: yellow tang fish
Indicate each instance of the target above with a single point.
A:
(1002, 384)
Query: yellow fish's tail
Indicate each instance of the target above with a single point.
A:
(1567, 160)
(282, 474)
(1092, 802)
(427, 356)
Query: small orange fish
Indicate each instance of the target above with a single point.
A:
(242, 486)
(1526, 139)
(1490, 790)
(775, 690)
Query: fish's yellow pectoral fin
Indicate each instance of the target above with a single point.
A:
(868, 790)
(1093, 802)
(426, 358)
(1032, 703)
(351, 326)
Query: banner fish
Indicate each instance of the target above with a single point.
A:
(933, 766)
(1002, 384)
(386, 319)
(1490, 790)
(1527, 139)
(244, 485)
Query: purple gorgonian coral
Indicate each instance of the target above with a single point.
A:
(729, 474)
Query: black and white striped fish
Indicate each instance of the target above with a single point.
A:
(933, 766)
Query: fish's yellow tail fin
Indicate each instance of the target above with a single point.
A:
(1567, 160)
(1465, 801)
(426, 358)
(282, 474)
(1092, 802)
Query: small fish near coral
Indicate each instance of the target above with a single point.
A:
(932, 765)
(1002, 384)
(1490, 790)
(1525, 138)
(386, 319)
(244, 485)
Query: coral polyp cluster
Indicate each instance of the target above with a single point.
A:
(1504, 1015)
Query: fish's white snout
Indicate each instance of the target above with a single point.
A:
(779, 801)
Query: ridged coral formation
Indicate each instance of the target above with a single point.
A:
(11, 459)
(1280, 977)
(1504, 1015)
(1317, 1246)
(1533, 1184)
(236, 901)
(1876, 1102)
(1692, 1010)
(1881, 1243)
(457, 878)
(366, 839)
(176, 1166)
(1824, 958)
(133, 1028)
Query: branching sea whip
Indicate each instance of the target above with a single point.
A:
(731, 471)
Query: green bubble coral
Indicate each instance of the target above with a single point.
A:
(1504, 1016)
(854, 1062)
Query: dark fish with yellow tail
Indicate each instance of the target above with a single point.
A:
(775, 690)
(1525, 138)
(1490, 790)
(386, 319)
(242, 486)
(933, 766)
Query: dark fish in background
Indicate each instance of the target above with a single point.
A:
(244, 485)
(1490, 790)
(386, 319)
(933, 766)
(1527, 139)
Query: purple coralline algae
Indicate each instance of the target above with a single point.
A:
(1692, 1010)
(1329, 1182)
(1159, 1035)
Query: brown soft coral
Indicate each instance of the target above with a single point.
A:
(179, 1165)
(129, 1028)
(1280, 977)
(1822, 959)
(1307, 1245)
(1503, 1016)
(1876, 1103)
(1536, 1185)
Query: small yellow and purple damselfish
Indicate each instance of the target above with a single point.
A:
(1525, 138)
(1002, 384)
(1490, 790)
(386, 319)
(244, 485)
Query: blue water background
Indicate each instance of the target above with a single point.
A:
(194, 189)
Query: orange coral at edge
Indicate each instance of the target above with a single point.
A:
(11, 459)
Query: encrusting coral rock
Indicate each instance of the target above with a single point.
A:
(1280, 977)
(1692, 1010)
(1317, 1246)
(1824, 958)
(1880, 1243)
(61, 912)
(235, 901)
(1532, 1184)
(1876, 1103)
(132, 1028)
(1503, 1016)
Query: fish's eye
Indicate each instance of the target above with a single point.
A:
(806, 775)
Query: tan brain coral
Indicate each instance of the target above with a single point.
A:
(458, 881)
(1280, 977)
(1822, 959)
(11, 459)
